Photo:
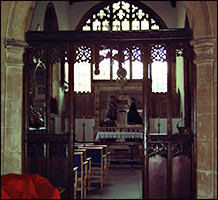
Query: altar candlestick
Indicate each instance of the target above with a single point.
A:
(158, 124)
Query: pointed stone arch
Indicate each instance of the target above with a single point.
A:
(200, 18)
(19, 19)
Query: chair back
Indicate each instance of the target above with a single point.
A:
(78, 161)
(96, 153)
(105, 147)
(83, 151)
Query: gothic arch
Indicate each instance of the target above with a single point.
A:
(199, 23)
(17, 26)
(103, 4)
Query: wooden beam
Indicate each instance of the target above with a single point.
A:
(74, 1)
(113, 36)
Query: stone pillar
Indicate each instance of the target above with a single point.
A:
(11, 151)
(206, 135)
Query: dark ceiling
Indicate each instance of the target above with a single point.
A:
(173, 3)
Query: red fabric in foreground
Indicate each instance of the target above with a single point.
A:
(27, 186)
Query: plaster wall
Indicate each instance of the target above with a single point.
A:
(62, 10)
(180, 14)
(165, 11)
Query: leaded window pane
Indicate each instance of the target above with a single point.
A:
(138, 70)
(82, 74)
(123, 16)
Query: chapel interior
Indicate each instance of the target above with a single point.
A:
(136, 79)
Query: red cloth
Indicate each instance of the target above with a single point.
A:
(27, 186)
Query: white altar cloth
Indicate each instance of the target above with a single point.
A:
(115, 135)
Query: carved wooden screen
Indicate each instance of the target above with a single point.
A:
(172, 152)
(42, 148)
(46, 152)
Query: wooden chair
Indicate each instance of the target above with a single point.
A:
(75, 181)
(89, 160)
(98, 162)
(106, 154)
(78, 161)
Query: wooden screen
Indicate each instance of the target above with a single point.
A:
(163, 155)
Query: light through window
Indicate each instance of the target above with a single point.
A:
(121, 16)
(82, 77)
(159, 68)
(159, 76)
(138, 71)
(104, 67)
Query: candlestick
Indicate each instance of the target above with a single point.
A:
(158, 125)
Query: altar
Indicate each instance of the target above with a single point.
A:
(118, 120)
(124, 142)
(118, 132)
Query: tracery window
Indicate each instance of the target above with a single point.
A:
(120, 16)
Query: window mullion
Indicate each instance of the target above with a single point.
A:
(111, 65)
(91, 23)
(130, 63)
(149, 20)
(111, 17)
(130, 18)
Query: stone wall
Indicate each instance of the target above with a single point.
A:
(204, 25)
(14, 21)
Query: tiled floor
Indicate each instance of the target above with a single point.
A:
(123, 183)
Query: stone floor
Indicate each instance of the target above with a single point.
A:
(123, 183)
